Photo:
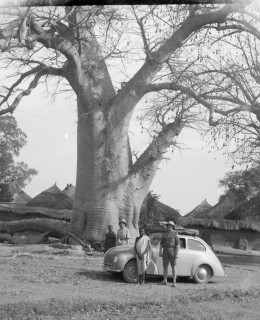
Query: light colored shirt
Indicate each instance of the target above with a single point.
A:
(122, 236)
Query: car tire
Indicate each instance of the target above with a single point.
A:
(130, 272)
(203, 274)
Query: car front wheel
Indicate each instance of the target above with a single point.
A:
(203, 274)
(130, 272)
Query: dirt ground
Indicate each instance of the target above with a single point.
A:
(39, 282)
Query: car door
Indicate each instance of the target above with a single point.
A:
(180, 262)
(183, 263)
(194, 251)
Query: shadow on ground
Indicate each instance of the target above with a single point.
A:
(101, 275)
(117, 277)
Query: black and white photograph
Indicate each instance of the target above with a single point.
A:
(129, 160)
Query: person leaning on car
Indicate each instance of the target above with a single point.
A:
(169, 251)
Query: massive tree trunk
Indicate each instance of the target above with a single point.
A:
(109, 186)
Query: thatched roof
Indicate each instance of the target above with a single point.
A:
(221, 209)
(249, 210)
(14, 211)
(52, 198)
(163, 211)
(221, 224)
(203, 206)
(153, 211)
(70, 191)
(19, 196)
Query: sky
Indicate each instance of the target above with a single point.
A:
(182, 182)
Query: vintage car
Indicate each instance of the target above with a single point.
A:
(195, 259)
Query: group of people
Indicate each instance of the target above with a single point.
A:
(169, 248)
(121, 238)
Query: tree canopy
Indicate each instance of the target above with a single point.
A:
(245, 184)
(12, 140)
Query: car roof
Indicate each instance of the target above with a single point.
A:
(180, 235)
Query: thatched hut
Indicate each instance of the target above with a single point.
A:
(202, 207)
(220, 210)
(18, 212)
(42, 217)
(52, 198)
(70, 191)
(19, 196)
(153, 212)
(225, 232)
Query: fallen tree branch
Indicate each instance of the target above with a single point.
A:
(55, 227)
(84, 245)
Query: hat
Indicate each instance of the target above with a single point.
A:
(122, 220)
(171, 223)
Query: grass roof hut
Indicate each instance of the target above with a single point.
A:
(226, 204)
(19, 196)
(52, 198)
(153, 212)
(202, 207)
(70, 191)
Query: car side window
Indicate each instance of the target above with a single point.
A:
(182, 243)
(195, 245)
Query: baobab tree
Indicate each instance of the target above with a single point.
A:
(78, 46)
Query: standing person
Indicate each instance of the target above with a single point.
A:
(110, 238)
(142, 250)
(169, 251)
(123, 234)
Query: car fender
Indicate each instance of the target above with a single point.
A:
(122, 259)
(216, 268)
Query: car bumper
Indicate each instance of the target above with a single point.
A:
(109, 268)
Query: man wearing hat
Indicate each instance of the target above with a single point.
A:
(123, 234)
(169, 250)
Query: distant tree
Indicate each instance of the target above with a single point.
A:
(12, 139)
(245, 184)
(5, 193)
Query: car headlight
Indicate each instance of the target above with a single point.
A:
(115, 259)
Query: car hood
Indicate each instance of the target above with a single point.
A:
(120, 249)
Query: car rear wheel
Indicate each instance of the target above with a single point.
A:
(130, 272)
(203, 274)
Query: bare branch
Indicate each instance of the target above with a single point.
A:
(199, 98)
(39, 71)
(146, 45)
(135, 87)
(147, 164)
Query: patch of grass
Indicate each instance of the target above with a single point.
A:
(60, 309)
